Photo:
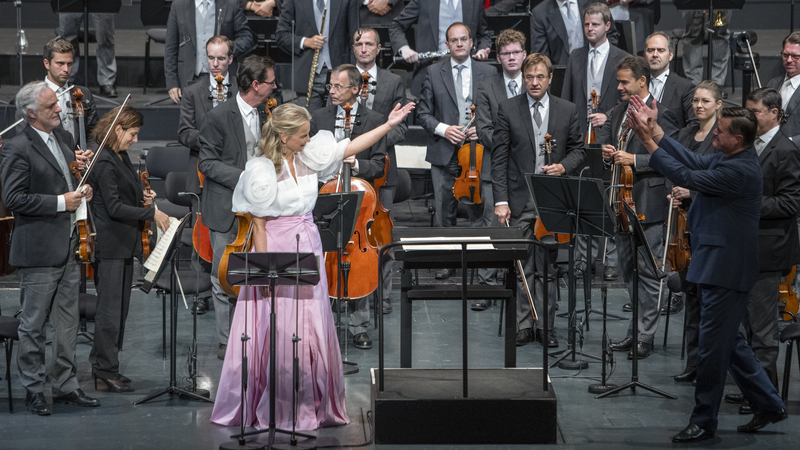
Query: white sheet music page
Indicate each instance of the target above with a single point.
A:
(443, 246)
(159, 252)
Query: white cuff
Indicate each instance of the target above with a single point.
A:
(441, 129)
(500, 204)
(301, 43)
(62, 204)
(354, 167)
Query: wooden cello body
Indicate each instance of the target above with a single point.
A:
(380, 233)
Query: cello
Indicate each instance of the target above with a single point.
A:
(146, 230)
(539, 230)
(242, 243)
(467, 186)
(359, 255)
(593, 104)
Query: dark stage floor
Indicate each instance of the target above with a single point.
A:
(626, 421)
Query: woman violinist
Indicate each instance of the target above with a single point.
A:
(118, 215)
(279, 189)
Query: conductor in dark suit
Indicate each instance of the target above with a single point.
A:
(649, 194)
(41, 192)
(433, 18)
(229, 137)
(190, 25)
(667, 87)
(787, 86)
(333, 42)
(449, 89)
(557, 29)
(724, 223)
(522, 123)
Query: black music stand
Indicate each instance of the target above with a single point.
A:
(86, 7)
(172, 255)
(269, 269)
(710, 6)
(640, 246)
(571, 205)
(335, 216)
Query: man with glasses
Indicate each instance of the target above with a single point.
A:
(369, 164)
(787, 86)
(449, 89)
(222, 159)
(519, 132)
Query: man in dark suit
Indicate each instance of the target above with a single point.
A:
(192, 23)
(387, 92)
(40, 190)
(787, 86)
(667, 87)
(229, 137)
(494, 90)
(367, 164)
(522, 123)
(433, 17)
(557, 29)
(649, 194)
(724, 222)
(449, 89)
(341, 22)
(778, 241)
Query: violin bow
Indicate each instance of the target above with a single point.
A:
(102, 145)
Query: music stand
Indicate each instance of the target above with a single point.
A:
(335, 216)
(639, 245)
(709, 5)
(574, 206)
(172, 255)
(85, 7)
(269, 269)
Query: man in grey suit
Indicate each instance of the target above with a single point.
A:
(668, 88)
(333, 42)
(519, 134)
(40, 190)
(500, 87)
(229, 137)
(787, 86)
(433, 17)
(447, 93)
(387, 92)
(192, 23)
(649, 194)
(557, 29)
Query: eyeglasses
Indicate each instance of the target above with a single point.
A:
(507, 54)
(336, 87)
(539, 78)
(272, 83)
(788, 56)
(218, 58)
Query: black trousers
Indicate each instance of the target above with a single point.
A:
(113, 279)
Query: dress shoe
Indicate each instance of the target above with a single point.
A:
(734, 398)
(480, 305)
(113, 384)
(221, 351)
(108, 91)
(745, 409)
(610, 274)
(687, 376)
(202, 306)
(444, 274)
(37, 404)
(387, 307)
(552, 339)
(675, 305)
(77, 398)
(362, 341)
(692, 433)
(694, 382)
(643, 349)
(524, 336)
(627, 307)
(759, 421)
(625, 344)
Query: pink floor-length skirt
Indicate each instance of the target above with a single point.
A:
(321, 397)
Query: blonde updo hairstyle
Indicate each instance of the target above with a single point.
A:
(286, 119)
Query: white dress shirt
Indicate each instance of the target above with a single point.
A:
(466, 82)
(657, 85)
(64, 102)
(601, 51)
(787, 89)
(762, 141)
(249, 114)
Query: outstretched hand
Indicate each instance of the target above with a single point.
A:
(399, 113)
(643, 121)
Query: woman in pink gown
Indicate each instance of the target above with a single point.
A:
(279, 189)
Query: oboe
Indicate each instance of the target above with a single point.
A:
(315, 61)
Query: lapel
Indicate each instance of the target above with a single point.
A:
(706, 148)
(310, 14)
(446, 73)
(329, 119)
(609, 72)
(360, 122)
(380, 91)
(40, 146)
(221, 11)
(334, 12)
(769, 147)
(525, 116)
(477, 77)
(191, 27)
(552, 122)
(557, 22)
(466, 14)
(668, 91)
(236, 121)
(583, 57)
(433, 16)
(795, 100)
(499, 88)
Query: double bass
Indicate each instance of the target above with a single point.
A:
(467, 186)
(539, 230)
(359, 255)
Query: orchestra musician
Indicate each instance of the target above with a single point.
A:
(649, 194)
(279, 188)
(522, 123)
(787, 85)
(724, 223)
(118, 215)
(667, 87)
(368, 164)
(491, 92)
(449, 89)
(41, 192)
(229, 137)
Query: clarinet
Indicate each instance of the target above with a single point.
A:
(425, 56)
(315, 61)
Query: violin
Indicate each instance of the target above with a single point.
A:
(678, 253)
(467, 187)
(271, 103)
(539, 230)
(242, 243)
(593, 104)
(622, 185)
(86, 237)
(146, 231)
(359, 255)
(219, 78)
(201, 235)
(786, 296)
(365, 90)
(380, 233)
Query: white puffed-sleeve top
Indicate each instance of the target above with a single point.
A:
(263, 193)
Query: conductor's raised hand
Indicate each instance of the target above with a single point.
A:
(399, 113)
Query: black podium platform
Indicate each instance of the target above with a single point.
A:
(424, 406)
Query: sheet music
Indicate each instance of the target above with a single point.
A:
(158, 253)
(80, 213)
(456, 247)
